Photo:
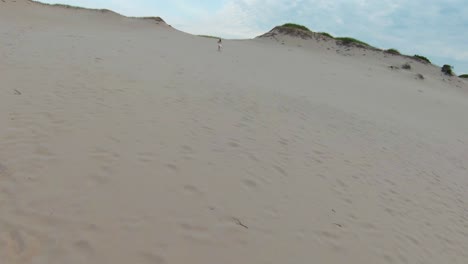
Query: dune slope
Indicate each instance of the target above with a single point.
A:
(123, 140)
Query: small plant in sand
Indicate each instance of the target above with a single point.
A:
(326, 34)
(208, 36)
(296, 26)
(420, 76)
(422, 58)
(350, 41)
(393, 51)
(465, 76)
(448, 70)
(406, 66)
(77, 7)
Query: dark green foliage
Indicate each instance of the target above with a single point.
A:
(463, 76)
(296, 26)
(393, 51)
(326, 34)
(422, 58)
(349, 41)
(447, 69)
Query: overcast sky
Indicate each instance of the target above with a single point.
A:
(437, 29)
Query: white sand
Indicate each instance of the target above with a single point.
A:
(127, 141)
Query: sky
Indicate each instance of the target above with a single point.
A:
(436, 29)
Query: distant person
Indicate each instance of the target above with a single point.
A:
(220, 45)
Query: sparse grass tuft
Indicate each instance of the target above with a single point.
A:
(296, 26)
(208, 36)
(393, 51)
(406, 66)
(422, 58)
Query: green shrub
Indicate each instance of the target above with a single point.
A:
(296, 26)
(393, 51)
(463, 76)
(326, 34)
(348, 41)
(448, 70)
(422, 58)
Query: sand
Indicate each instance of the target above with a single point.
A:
(124, 140)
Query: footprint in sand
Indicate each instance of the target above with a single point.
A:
(250, 184)
(152, 258)
(280, 170)
(4, 173)
(84, 247)
(192, 190)
(18, 247)
(196, 233)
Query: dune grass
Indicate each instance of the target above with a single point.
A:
(326, 34)
(464, 76)
(208, 36)
(393, 51)
(77, 7)
(348, 40)
(422, 58)
(296, 26)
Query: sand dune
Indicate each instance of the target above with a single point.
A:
(123, 140)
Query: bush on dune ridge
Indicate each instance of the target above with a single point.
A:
(296, 26)
(326, 34)
(393, 51)
(448, 70)
(422, 58)
(348, 41)
(464, 76)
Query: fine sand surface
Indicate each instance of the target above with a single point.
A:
(126, 141)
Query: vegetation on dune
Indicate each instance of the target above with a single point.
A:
(77, 7)
(348, 41)
(406, 66)
(393, 51)
(448, 70)
(208, 36)
(157, 19)
(422, 58)
(296, 26)
(463, 76)
(326, 34)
